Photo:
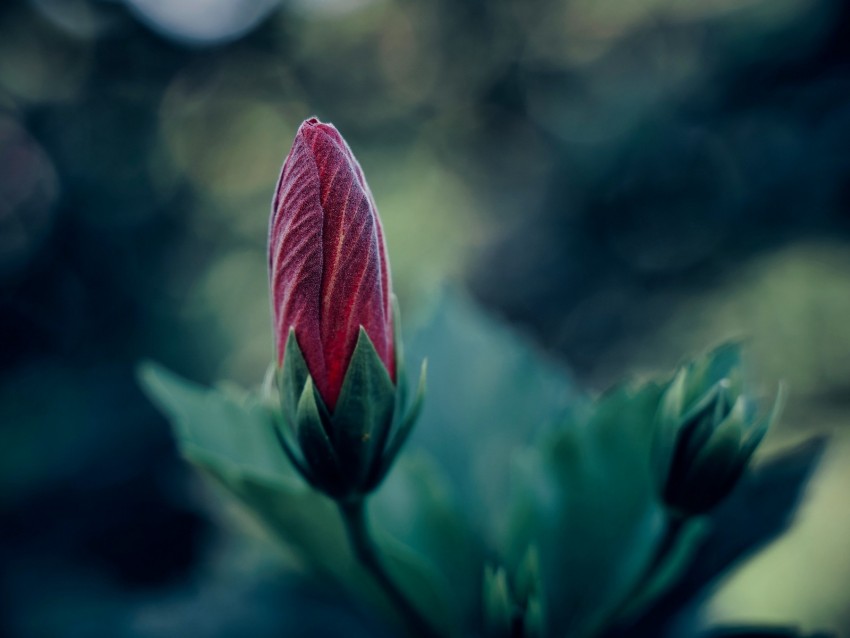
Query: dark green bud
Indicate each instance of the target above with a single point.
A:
(707, 429)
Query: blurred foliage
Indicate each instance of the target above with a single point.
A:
(586, 541)
(624, 181)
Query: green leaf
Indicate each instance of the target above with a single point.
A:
(586, 498)
(300, 518)
(416, 577)
(231, 438)
(417, 505)
(489, 391)
(233, 428)
(363, 412)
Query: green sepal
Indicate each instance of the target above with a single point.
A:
(759, 430)
(699, 422)
(723, 362)
(729, 432)
(401, 431)
(291, 378)
(722, 447)
(285, 435)
(289, 444)
(702, 428)
(712, 473)
(704, 406)
(316, 446)
(378, 469)
(667, 423)
(363, 412)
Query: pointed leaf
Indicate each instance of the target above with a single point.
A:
(234, 429)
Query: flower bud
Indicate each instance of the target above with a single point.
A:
(338, 352)
(706, 431)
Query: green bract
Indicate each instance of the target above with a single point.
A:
(347, 453)
(513, 606)
(707, 429)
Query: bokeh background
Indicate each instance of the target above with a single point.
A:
(625, 182)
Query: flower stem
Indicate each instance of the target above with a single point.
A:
(357, 527)
(673, 527)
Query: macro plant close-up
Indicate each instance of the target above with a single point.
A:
(454, 319)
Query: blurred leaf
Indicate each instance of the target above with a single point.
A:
(760, 509)
(222, 425)
(670, 568)
(416, 576)
(489, 391)
(417, 505)
(586, 500)
(229, 436)
(305, 521)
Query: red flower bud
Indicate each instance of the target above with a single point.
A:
(328, 264)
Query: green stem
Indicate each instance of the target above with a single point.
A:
(672, 530)
(357, 526)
